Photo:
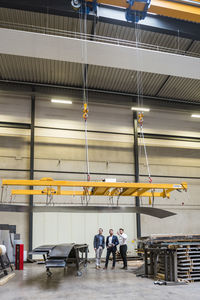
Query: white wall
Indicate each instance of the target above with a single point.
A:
(60, 150)
(50, 228)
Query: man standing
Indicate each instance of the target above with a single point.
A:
(111, 244)
(99, 245)
(123, 246)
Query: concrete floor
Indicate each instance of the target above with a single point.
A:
(32, 283)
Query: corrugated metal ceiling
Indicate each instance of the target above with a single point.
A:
(34, 70)
(45, 21)
(65, 73)
(195, 47)
(147, 37)
(123, 80)
(181, 88)
(40, 70)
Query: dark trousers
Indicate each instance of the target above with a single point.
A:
(109, 251)
(123, 250)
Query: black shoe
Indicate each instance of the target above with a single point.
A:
(122, 268)
(105, 268)
(125, 268)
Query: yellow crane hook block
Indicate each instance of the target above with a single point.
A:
(140, 118)
(85, 111)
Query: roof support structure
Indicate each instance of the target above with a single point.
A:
(29, 44)
(32, 157)
(137, 170)
(14, 86)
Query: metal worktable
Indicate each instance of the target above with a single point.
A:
(63, 255)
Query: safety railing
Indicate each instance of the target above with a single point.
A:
(96, 38)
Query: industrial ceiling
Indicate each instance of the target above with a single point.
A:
(43, 71)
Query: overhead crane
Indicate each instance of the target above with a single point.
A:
(92, 188)
(136, 10)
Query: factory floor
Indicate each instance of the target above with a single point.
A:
(32, 283)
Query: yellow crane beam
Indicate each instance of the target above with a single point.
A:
(165, 8)
(77, 193)
(176, 10)
(92, 188)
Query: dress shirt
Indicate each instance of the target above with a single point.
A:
(123, 239)
(110, 240)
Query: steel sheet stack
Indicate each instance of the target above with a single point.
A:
(172, 257)
(188, 257)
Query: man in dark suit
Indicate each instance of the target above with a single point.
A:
(111, 244)
(99, 245)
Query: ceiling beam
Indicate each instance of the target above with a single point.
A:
(168, 77)
(105, 96)
(37, 45)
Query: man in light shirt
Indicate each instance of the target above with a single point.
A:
(123, 246)
(99, 245)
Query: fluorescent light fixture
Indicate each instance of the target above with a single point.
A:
(61, 101)
(195, 116)
(140, 108)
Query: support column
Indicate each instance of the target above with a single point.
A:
(32, 139)
(136, 166)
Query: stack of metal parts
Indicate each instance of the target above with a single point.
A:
(9, 238)
(4, 262)
(188, 258)
(172, 257)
